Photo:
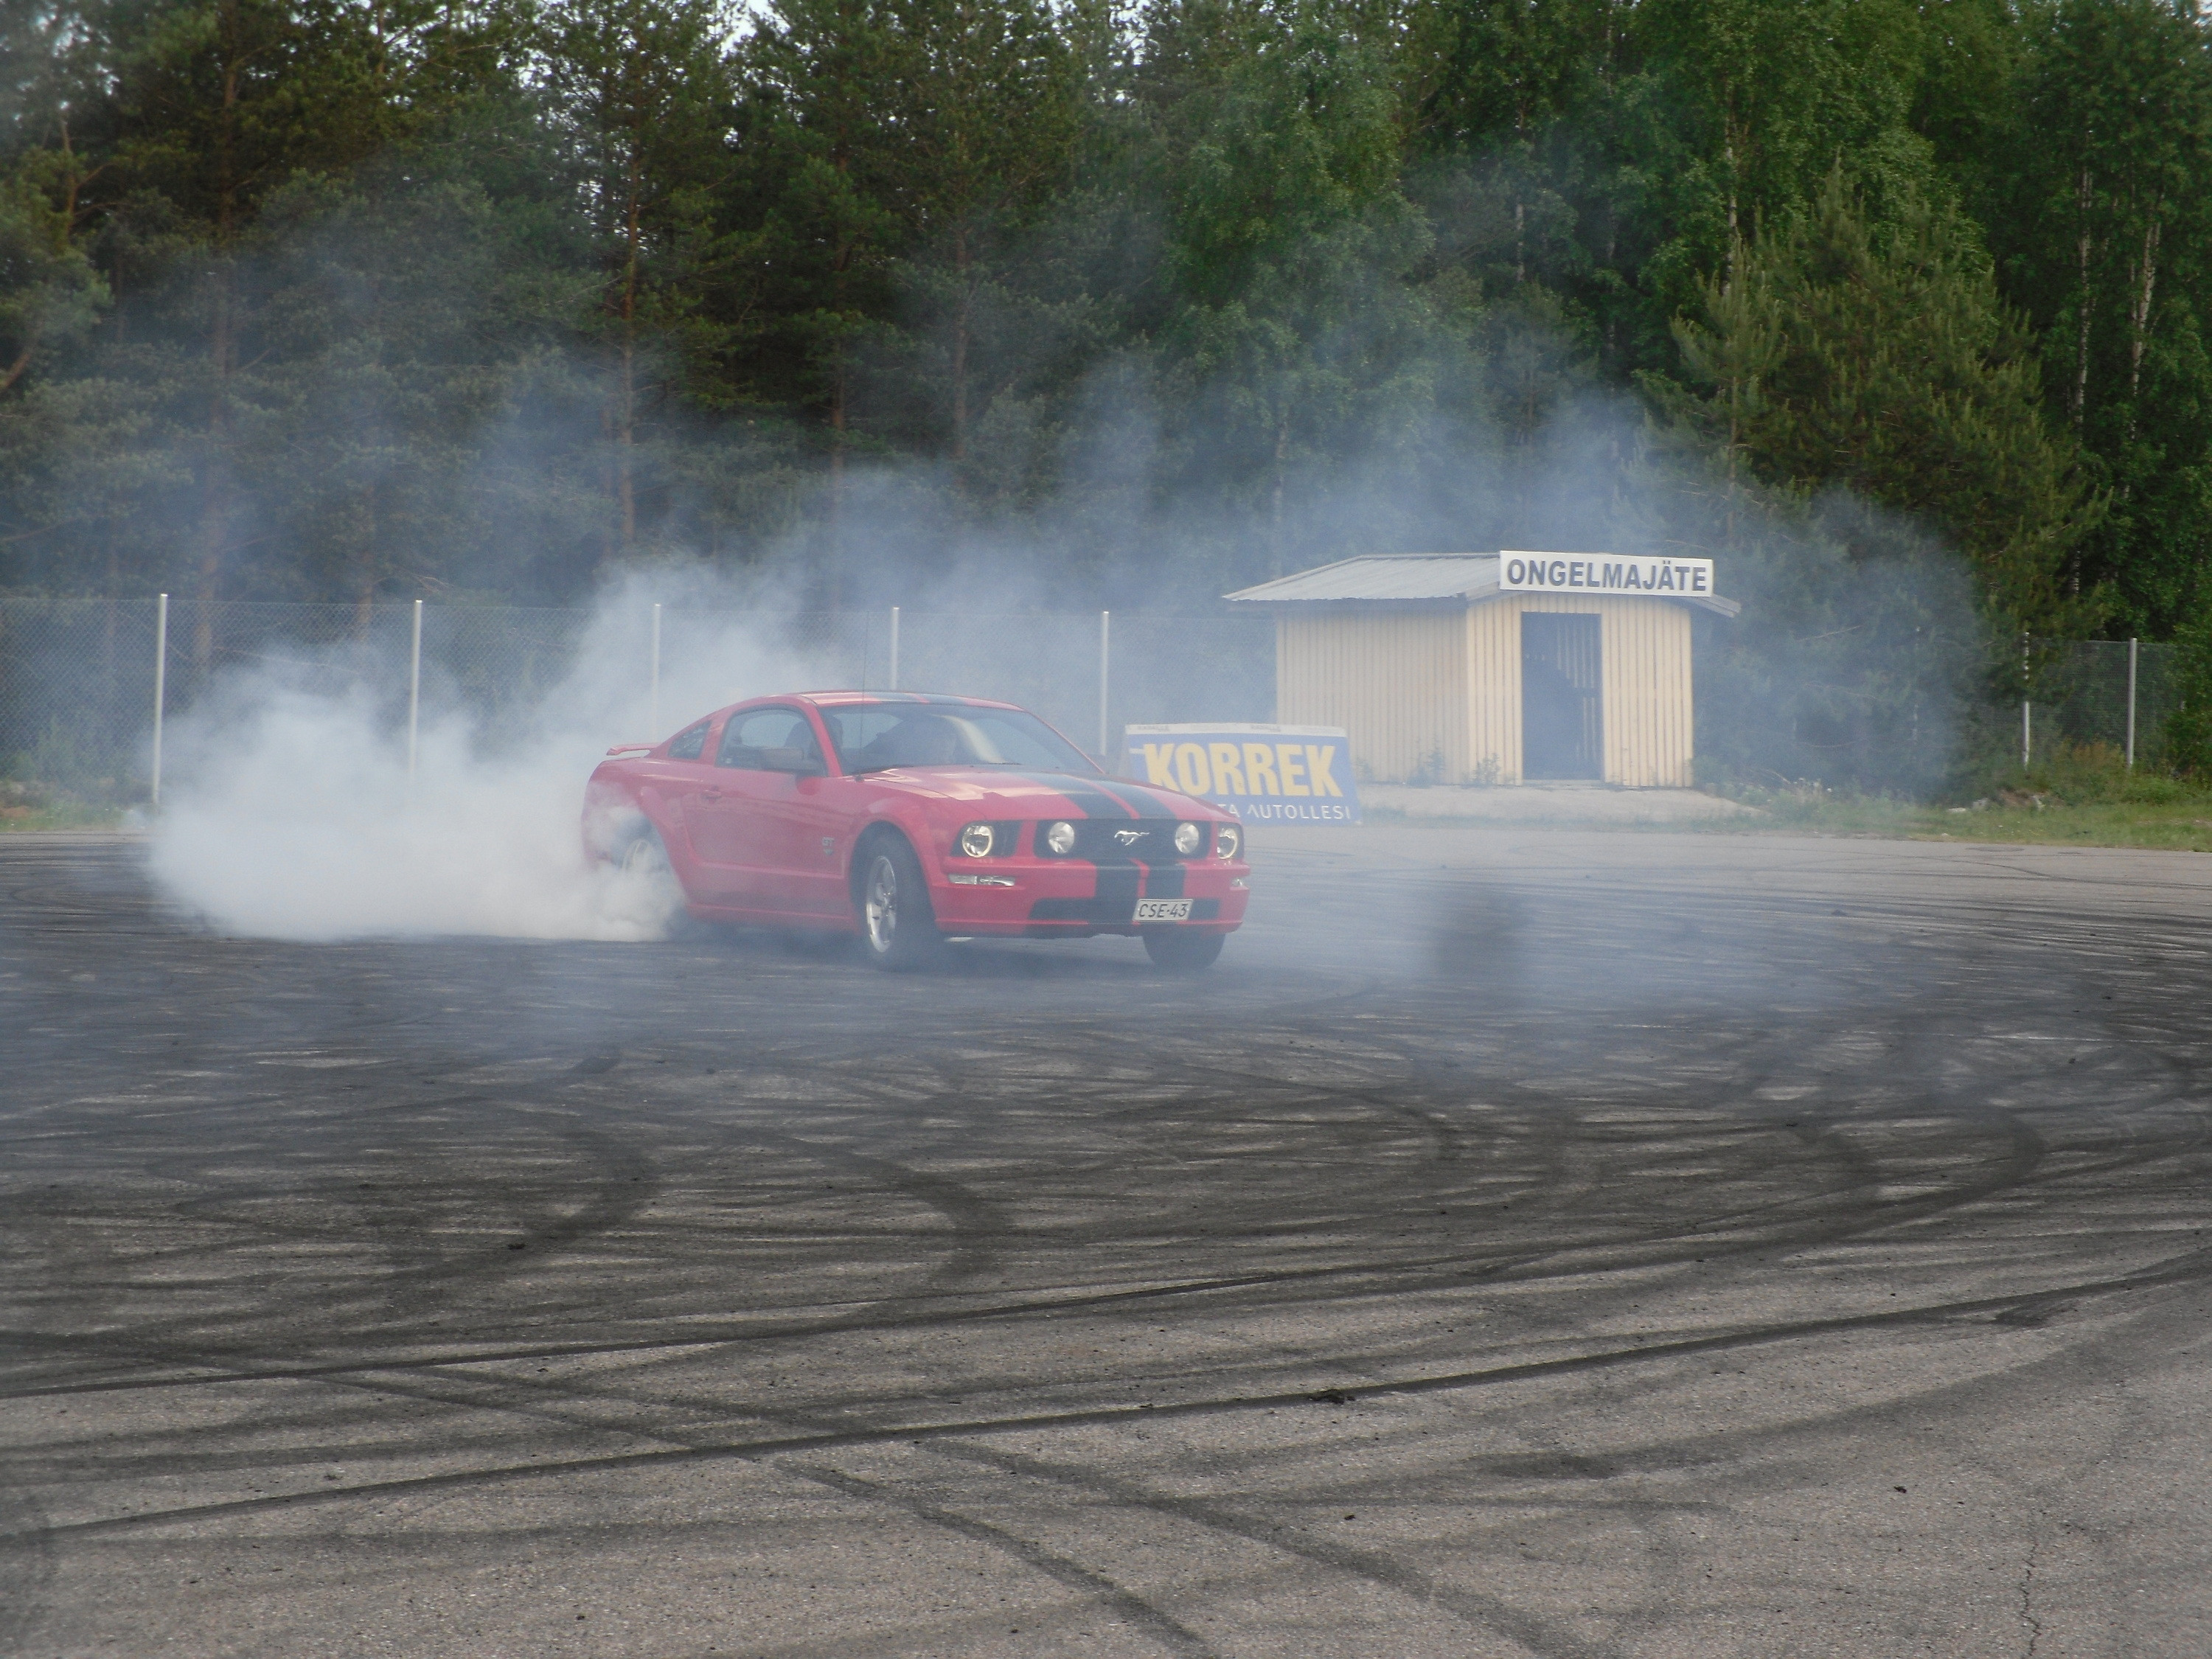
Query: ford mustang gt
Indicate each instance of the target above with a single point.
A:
(908, 819)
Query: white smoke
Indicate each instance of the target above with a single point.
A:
(289, 813)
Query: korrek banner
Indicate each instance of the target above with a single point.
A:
(1263, 774)
(1601, 573)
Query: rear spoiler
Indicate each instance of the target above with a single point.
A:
(633, 749)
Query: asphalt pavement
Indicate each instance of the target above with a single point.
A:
(1524, 1242)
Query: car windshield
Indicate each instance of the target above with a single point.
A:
(874, 736)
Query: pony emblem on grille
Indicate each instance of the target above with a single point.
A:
(1130, 837)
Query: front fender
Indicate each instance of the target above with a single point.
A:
(911, 820)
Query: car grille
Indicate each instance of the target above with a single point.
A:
(1129, 841)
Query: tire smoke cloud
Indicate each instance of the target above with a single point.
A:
(291, 814)
(1858, 661)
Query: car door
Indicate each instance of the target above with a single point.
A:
(744, 826)
(671, 788)
(818, 833)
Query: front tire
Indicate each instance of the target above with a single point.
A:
(1181, 952)
(898, 928)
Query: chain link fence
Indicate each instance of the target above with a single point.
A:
(2112, 694)
(1088, 673)
(77, 693)
(78, 675)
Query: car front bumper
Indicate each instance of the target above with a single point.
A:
(1038, 897)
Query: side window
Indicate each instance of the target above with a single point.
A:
(687, 743)
(769, 740)
(860, 735)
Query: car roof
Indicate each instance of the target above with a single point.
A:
(845, 699)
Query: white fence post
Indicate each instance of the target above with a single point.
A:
(413, 690)
(2131, 705)
(2027, 720)
(893, 685)
(652, 718)
(160, 686)
(1105, 661)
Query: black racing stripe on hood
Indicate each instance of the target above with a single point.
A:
(1137, 799)
(1141, 800)
(1092, 802)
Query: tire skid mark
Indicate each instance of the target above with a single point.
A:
(1110, 1593)
(979, 1225)
(1672, 1244)
(29, 1563)
(2189, 1267)
(1539, 1635)
(1170, 1632)
(1629, 1138)
(404, 1285)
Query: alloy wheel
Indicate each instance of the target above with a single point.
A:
(882, 904)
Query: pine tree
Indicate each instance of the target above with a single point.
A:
(1878, 358)
(824, 170)
(641, 90)
(995, 114)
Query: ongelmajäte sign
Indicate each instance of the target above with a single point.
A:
(1601, 573)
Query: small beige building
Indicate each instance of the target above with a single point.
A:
(1509, 667)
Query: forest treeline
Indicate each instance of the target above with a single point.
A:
(373, 299)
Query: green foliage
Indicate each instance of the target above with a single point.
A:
(50, 293)
(2185, 744)
(2081, 774)
(1290, 246)
(2096, 210)
(313, 298)
(1879, 357)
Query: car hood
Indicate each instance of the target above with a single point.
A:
(1000, 791)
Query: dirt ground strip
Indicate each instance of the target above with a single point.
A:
(1524, 1243)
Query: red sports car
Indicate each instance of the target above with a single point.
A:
(909, 818)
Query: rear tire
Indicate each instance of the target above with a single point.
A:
(898, 928)
(641, 853)
(1181, 952)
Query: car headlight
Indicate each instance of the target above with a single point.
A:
(1060, 837)
(975, 840)
(1227, 838)
(1187, 838)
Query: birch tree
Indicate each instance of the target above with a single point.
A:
(2107, 238)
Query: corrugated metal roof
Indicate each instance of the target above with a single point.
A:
(1411, 578)
(1385, 576)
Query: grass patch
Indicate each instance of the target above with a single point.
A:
(2081, 795)
(28, 806)
(2181, 826)
(61, 817)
